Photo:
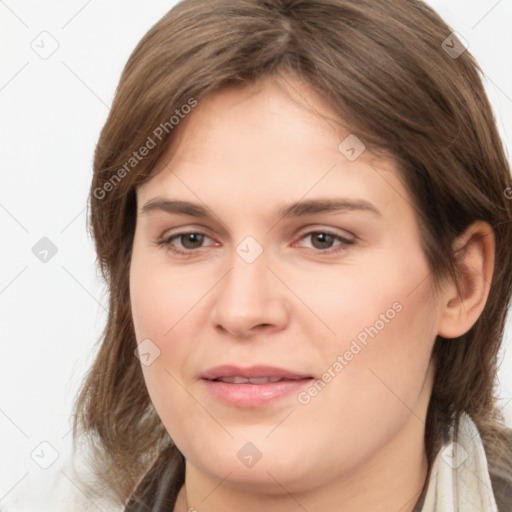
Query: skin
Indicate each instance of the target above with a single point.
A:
(358, 444)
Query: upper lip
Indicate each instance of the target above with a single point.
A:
(228, 370)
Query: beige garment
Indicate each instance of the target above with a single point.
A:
(459, 480)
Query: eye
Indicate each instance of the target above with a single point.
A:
(322, 241)
(184, 243)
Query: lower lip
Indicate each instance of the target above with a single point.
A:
(253, 395)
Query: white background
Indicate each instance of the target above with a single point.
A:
(52, 110)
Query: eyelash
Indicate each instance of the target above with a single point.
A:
(166, 242)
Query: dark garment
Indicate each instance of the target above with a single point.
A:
(159, 488)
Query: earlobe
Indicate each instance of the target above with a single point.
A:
(475, 251)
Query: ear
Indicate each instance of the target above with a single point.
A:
(475, 251)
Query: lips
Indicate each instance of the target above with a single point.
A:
(253, 387)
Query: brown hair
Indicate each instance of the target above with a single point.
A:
(383, 69)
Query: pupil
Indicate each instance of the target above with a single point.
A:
(324, 239)
(192, 240)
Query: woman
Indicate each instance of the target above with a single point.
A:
(300, 209)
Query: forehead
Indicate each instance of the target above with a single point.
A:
(263, 143)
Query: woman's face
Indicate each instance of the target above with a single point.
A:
(296, 253)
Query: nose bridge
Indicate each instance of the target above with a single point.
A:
(249, 295)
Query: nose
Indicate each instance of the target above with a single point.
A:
(250, 300)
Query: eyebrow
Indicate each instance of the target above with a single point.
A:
(296, 209)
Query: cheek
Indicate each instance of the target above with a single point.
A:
(161, 296)
(382, 320)
(165, 304)
(372, 371)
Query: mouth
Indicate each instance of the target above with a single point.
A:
(252, 387)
